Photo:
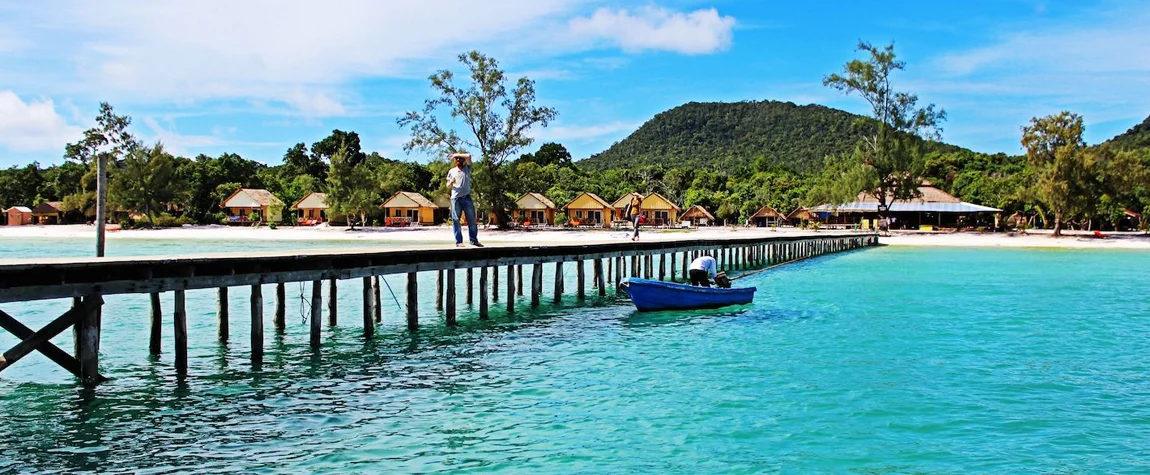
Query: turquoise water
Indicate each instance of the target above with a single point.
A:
(887, 360)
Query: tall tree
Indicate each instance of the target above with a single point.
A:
(108, 141)
(350, 191)
(888, 163)
(326, 148)
(146, 184)
(1063, 180)
(297, 161)
(498, 123)
(549, 153)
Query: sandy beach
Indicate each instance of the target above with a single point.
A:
(1034, 239)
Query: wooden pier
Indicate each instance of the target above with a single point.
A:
(87, 281)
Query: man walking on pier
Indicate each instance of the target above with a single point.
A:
(459, 180)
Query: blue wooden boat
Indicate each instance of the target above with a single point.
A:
(653, 295)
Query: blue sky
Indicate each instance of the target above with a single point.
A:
(257, 76)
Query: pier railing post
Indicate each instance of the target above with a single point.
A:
(222, 313)
(157, 320)
(412, 301)
(449, 314)
(316, 306)
(368, 308)
(257, 323)
(180, 323)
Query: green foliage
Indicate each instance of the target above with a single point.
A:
(350, 191)
(1138, 137)
(499, 121)
(549, 153)
(1062, 177)
(145, 183)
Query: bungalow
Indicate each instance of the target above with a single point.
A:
(799, 216)
(767, 216)
(588, 209)
(19, 215)
(49, 212)
(657, 209)
(536, 209)
(933, 208)
(312, 209)
(248, 203)
(406, 208)
(697, 216)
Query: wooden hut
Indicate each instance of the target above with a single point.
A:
(657, 209)
(588, 209)
(49, 212)
(767, 216)
(534, 209)
(311, 209)
(18, 215)
(697, 216)
(406, 208)
(799, 216)
(248, 203)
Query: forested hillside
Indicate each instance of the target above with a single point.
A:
(1137, 137)
(732, 135)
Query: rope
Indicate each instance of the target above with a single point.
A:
(392, 292)
(304, 306)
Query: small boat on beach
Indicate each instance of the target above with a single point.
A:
(653, 295)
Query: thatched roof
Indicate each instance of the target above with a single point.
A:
(408, 199)
(767, 212)
(799, 213)
(696, 212)
(49, 207)
(931, 200)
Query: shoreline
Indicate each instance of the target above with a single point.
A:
(443, 234)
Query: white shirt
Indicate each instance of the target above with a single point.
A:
(706, 263)
(459, 179)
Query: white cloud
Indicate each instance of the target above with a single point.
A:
(165, 131)
(654, 28)
(583, 132)
(33, 126)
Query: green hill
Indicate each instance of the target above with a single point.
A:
(725, 136)
(1137, 137)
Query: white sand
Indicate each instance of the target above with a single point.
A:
(443, 234)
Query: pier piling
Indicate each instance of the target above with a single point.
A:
(257, 323)
(222, 313)
(157, 320)
(449, 311)
(180, 323)
(412, 301)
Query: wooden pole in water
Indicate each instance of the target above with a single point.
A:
(673, 254)
(580, 280)
(600, 280)
(222, 313)
(536, 283)
(650, 271)
(519, 280)
(618, 272)
(180, 319)
(495, 284)
(257, 323)
(376, 305)
(368, 308)
(510, 289)
(332, 302)
(280, 319)
(88, 342)
(610, 266)
(662, 267)
(157, 320)
(559, 282)
(470, 279)
(483, 293)
(439, 290)
(316, 306)
(685, 263)
(412, 301)
(449, 315)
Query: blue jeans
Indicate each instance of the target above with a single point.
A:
(635, 221)
(466, 206)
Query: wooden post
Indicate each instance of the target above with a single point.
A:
(280, 319)
(180, 321)
(439, 290)
(483, 293)
(649, 270)
(101, 201)
(257, 323)
(222, 313)
(377, 302)
(449, 314)
(618, 272)
(673, 254)
(662, 267)
(610, 266)
(88, 342)
(368, 309)
(495, 284)
(470, 278)
(332, 301)
(580, 280)
(412, 301)
(316, 305)
(559, 282)
(686, 262)
(536, 283)
(600, 279)
(519, 279)
(510, 289)
(157, 320)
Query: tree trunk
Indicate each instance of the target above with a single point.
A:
(1057, 224)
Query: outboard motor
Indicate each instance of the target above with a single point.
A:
(721, 281)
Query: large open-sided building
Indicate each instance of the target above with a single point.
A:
(933, 209)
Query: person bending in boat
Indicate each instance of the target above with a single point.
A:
(702, 270)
